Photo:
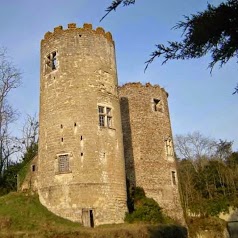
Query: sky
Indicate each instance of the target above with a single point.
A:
(198, 100)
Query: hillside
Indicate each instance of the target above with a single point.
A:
(22, 215)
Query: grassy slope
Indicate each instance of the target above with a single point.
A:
(22, 215)
(22, 212)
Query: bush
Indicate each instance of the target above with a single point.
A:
(145, 209)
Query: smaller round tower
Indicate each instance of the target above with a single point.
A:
(81, 161)
(148, 145)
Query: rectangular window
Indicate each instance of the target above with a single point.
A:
(33, 168)
(157, 105)
(100, 109)
(108, 111)
(101, 120)
(169, 147)
(156, 102)
(105, 116)
(63, 163)
(109, 122)
(54, 61)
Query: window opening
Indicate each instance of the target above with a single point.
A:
(108, 111)
(33, 168)
(51, 61)
(75, 124)
(61, 126)
(101, 120)
(105, 116)
(100, 109)
(169, 147)
(91, 218)
(81, 138)
(109, 122)
(174, 177)
(54, 62)
(62, 139)
(157, 105)
(81, 154)
(63, 163)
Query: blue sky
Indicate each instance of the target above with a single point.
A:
(198, 100)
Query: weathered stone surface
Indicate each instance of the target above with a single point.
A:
(82, 78)
(81, 171)
(30, 181)
(148, 145)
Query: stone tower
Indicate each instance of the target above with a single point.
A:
(148, 145)
(81, 171)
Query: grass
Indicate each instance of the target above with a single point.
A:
(23, 212)
(22, 215)
(23, 172)
(213, 225)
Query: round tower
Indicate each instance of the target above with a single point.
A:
(81, 163)
(148, 145)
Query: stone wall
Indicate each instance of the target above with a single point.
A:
(81, 164)
(148, 145)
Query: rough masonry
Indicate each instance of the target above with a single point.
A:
(94, 136)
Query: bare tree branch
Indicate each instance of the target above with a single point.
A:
(236, 90)
(29, 132)
(10, 78)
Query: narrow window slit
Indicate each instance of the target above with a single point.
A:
(174, 177)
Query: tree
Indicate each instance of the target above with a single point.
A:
(27, 146)
(29, 140)
(212, 31)
(207, 173)
(115, 4)
(10, 78)
(194, 146)
(224, 149)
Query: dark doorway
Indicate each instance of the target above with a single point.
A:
(88, 217)
(91, 218)
(233, 229)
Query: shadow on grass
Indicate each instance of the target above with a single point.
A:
(167, 231)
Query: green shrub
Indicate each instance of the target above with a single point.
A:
(145, 209)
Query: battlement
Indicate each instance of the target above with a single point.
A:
(140, 85)
(73, 27)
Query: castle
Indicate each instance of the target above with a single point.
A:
(96, 138)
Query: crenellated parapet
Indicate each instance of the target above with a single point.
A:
(137, 85)
(72, 27)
